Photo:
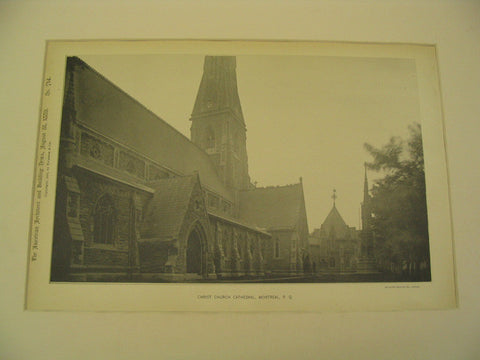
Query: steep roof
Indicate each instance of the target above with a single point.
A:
(272, 208)
(218, 89)
(104, 107)
(335, 225)
(165, 212)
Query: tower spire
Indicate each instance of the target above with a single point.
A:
(367, 244)
(365, 186)
(366, 204)
(218, 90)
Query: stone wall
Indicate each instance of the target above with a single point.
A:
(105, 257)
(286, 261)
(122, 250)
(239, 251)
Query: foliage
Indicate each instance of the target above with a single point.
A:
(399, 207)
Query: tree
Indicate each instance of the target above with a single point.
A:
(399, 207)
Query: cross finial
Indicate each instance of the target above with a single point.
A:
(334, 196)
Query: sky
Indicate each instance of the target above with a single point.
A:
(306, 116)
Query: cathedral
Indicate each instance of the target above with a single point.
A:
(136, 200)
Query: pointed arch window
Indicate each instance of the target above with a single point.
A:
(210, 138)
(277, 248)
(104, 221)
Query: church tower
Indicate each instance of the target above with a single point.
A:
(217, 120)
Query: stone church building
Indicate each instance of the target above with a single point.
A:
(337, 247)
(138, 201)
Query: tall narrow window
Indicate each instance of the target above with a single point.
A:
(104, 221)
(210, 139)
(277, 248)
(236, 142)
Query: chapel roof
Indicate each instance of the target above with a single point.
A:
(334, 225)
(273, 207)
(105, 108)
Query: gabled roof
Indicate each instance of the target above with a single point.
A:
(165, 212)
(272, 208)
(104, 107)
(334, 225)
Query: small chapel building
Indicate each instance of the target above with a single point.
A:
(136, 200)
(337, 247)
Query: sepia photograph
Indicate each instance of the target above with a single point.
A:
(159, 181)
(138, 200)
(240, 180)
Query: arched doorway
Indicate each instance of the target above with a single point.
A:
(195, 243)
